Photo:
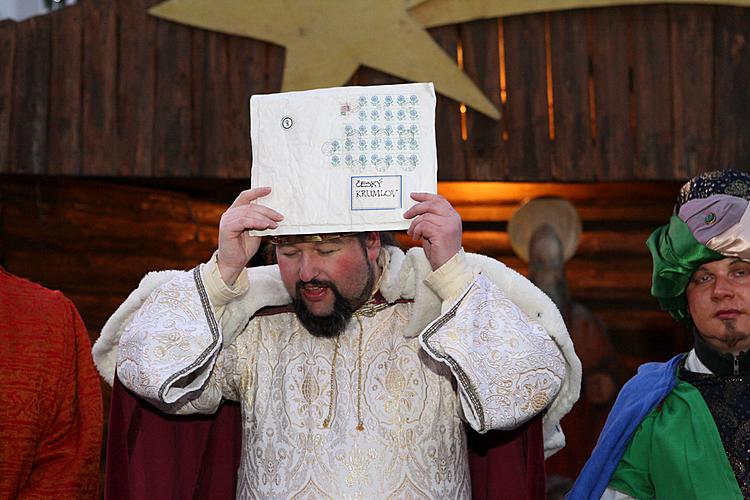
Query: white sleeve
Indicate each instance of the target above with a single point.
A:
(507, 367)
(170, 346)
(610, 494)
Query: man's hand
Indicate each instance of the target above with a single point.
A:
(236, 247)
(437, 224)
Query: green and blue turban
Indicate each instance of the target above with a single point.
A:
(711, 221)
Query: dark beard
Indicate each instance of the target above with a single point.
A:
(335, 323)
(733, 335)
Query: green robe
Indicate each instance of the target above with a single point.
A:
(677, 453)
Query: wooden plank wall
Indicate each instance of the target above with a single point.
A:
(624, 93)
(100, 88)
(95, 240)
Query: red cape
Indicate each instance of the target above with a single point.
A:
(154, 455)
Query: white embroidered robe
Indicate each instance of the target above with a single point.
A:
(482, 360)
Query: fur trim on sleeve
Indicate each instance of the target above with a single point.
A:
(533, 302)
(266, 289)
(105, 347)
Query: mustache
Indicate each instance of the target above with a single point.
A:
(315, 282)
(323, 326)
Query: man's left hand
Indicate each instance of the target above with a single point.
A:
(437, 224)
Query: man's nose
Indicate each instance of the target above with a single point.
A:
(723, 287)
(308, 269)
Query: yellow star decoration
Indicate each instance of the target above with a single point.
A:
(327, 40)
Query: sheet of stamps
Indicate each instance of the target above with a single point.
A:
(344, 159)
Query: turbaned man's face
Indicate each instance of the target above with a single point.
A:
(718, 297)
(329, 280)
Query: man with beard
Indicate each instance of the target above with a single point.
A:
(679, 429)
(354, 365)
(545, 233)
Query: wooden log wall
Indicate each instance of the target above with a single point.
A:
(95, 240)
(625, 93)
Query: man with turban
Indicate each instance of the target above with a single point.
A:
(681, 429)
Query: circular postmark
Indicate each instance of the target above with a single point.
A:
(287, 122)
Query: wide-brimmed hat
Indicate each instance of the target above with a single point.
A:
(558, 213)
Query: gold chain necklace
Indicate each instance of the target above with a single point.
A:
(368, 310)
(327, 420)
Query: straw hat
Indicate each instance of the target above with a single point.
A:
(560, 214)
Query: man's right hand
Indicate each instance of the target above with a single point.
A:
(236, 246)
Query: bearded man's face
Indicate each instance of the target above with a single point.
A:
(718, 297)
(329, 280)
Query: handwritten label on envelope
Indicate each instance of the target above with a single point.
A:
(344, 159)
(376, 192)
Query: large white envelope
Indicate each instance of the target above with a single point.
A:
(344, 159)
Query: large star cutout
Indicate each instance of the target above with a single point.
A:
(327, 40)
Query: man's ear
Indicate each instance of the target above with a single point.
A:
(372, 244)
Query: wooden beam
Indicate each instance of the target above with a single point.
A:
(611, 61)
(452, 163)
(652, 93)
(65, 92)
(7, 63)
(28, 140)
(732, 82)
(99, 118)
(212, 125)
(593, 243)
(511, 193)
(574, 154)
(692, 70)
(174, 145)
(247, 58)
(485, 147)
(136, 84)
(529, 147)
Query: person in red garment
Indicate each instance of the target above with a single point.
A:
(50, 396)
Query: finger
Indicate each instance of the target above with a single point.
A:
(259, 209)
(250, 195)
(419, 196)
(414, 231)
(422, 218)
(249, 217)
(429, 208)
(254, 222)
(414, 223)
(429, 197)
(416, 210)
(420, 234)
(421, 228)
(436, 204)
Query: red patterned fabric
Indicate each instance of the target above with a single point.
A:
(50, 397)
